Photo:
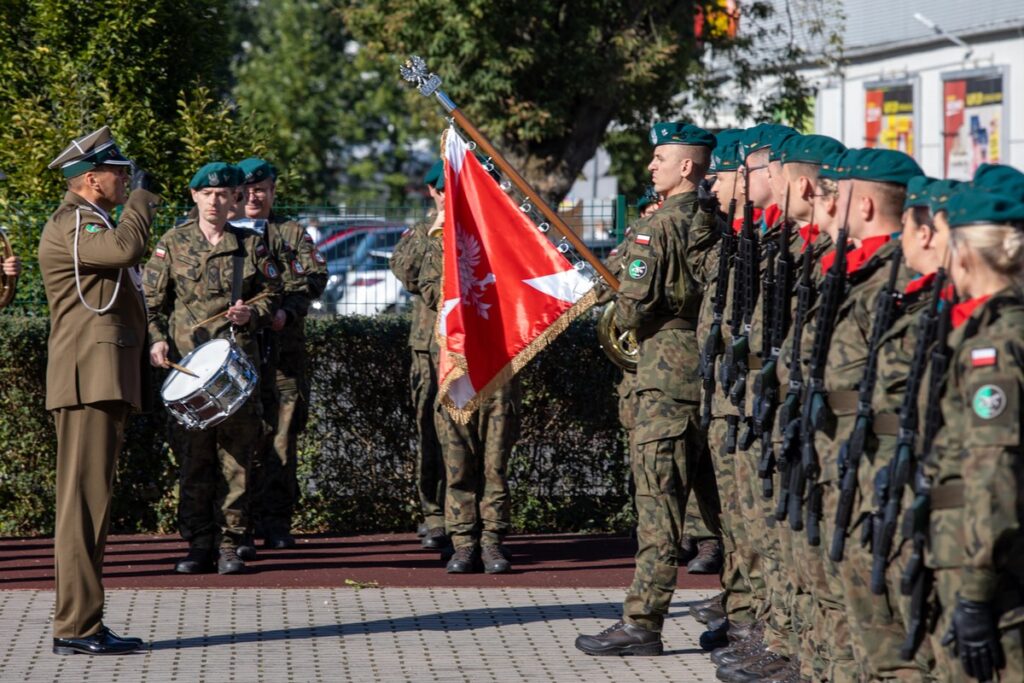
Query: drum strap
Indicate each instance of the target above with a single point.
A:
(238, 268)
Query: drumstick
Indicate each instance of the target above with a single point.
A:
(259, 297)
(179, 368)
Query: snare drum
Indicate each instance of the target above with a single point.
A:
(226, 379)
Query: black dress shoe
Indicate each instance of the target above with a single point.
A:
(622, 639)
(277, 540)
(708, 610)
(494, 559)
(464, 561)
(435, 539)
(198, 561)
(229, 562)
(103, 642)
(127, 639)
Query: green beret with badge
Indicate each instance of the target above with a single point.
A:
(647, 198)
(88, 152)
(917, 192)
(999, 178)
(884, 166)
(940, 192)
(807, 149)
(726, 151)
(676, 133)
(434, 174)
(836, 166)
(257, 170)
(216, 174)
(967, 208)
(765, 135)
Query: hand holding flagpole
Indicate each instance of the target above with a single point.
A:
(415, 71)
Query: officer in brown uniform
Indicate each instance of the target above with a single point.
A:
(197, 270)
(660, 300)
(284, 374)
(96, 370)
(406, 262)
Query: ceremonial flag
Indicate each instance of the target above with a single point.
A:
(506, 289)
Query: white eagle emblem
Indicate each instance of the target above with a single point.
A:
(472, 289)
(213, 178)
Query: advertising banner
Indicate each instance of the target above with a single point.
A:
(973, 118)
(889, 116)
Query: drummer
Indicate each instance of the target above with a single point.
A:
(201, 269)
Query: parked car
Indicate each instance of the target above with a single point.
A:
(368, 288)
(343, 243)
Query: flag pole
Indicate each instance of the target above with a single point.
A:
(415, 71)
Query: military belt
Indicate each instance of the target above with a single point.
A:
(754, 362)
(843, 402)
(650, 329)
(947, 496)
(886, 424)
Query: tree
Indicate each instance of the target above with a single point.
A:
(542, 78)
(143, 68)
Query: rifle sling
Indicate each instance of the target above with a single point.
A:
(947, 496)
(661, 324)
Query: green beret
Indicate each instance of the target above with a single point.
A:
(917, 192)
(1000, 178)
(836, 166)
(807, 149)
(884, 166)
(726, 157)
(256, 170)
(765, 135)
(647, 198)
(436, 172)
(217, 174)
(87, 152)
(972, 208)
(676, 133)
(940, 192)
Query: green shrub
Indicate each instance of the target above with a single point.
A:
(568, 471)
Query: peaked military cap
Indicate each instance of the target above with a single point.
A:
(836, 166)
(1000, 178)
(940, 192)
(808, 149)
(676, 133)
(434, 173)
(974, 208)
(217, 174)
(884, 166)
(256, 170)
(917, 192)
(765, 135)
(647, 198)
(87, 152)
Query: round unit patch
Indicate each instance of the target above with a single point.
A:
(637, 269)
(989, 402)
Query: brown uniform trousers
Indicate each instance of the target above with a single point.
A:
(97, 372)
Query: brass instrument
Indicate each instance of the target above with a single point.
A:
(7, 282)
(621, 347)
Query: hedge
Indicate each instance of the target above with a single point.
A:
(568, 471)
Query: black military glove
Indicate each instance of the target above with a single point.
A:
(975, 639)
(706, 199)
(141, 180)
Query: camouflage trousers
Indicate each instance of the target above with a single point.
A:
(476, 455)
(276, 484)
(430, 477)
(213, 505)
(830, 597)
(663, 471)
(741, 575)
(757, 513)
(704, 508)
(948, 668)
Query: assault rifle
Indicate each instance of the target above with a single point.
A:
(787, 411)
(744, 296)
(851, 452)
(813, 404)
(713, 345)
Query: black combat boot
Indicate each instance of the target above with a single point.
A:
(709, 558)
(687, 549)
(229, 562)
(198, 561)
(277, 538)
(435, 539)
(737, 652)
(247, 549)
(765, 664)
(708, 610)
(622, 639)
(464, 561)
(494, 559)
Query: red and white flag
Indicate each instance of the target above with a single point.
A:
(506, 289)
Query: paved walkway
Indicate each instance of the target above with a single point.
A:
(349, 634)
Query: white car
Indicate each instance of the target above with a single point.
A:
(368, 288)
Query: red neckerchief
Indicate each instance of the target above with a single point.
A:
(948, 293)
(965, 309)
(862, 254)
(919, 283)
(772, 215)
(808, 234)
(827, 260)
(737, 223)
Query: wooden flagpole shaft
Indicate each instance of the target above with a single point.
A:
(415, 71)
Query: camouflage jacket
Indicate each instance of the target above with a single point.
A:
(188, 280)
(976, 465)
(406, 261)
(304, 277)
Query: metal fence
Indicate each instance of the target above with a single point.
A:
(356, 241)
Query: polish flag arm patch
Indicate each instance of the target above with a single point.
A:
(160, 252)
(981, 358)
(643, 239)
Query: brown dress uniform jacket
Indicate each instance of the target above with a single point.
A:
(96, 356)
